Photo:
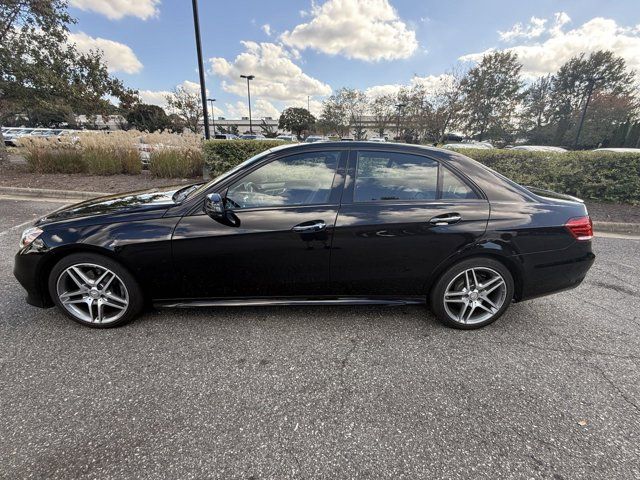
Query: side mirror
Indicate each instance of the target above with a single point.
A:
(214, 205)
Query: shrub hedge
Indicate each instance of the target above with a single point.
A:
(92, 160)
(598, 176)
(221, 155)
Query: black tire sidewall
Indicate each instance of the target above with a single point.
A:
(436, 298)
(136, 300)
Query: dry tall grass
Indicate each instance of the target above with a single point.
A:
(109, 153)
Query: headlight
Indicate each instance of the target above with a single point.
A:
(29, 235)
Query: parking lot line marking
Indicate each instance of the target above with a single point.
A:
(623, 236)
(17, 227)
(36, 199)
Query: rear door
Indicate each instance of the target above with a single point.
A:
(401, 215)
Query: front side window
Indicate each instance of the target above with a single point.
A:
(303, 179)
(395, 176)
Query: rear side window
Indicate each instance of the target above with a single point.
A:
(395, 176)
(454, 188)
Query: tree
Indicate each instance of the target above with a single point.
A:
(268, 130)
(42, 76)
(491, 92)
(575, 84)
(383, 111)
(187, 105)
(148, 118)
(535, 117)
(296, 120)
(334, 117)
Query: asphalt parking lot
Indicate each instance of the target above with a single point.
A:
(552, 390)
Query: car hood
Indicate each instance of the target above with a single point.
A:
(122, 203)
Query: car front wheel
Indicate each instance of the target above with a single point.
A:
(472, 293)
(95, 291)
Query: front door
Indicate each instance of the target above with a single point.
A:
(280, 239)
(401, 215)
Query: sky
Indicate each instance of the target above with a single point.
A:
(303, 48)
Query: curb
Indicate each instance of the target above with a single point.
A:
(617, 227)
(50, 193)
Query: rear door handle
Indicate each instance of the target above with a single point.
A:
(312, 226)
(447, 219)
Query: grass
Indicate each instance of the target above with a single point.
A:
(176, 163)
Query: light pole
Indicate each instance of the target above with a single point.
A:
(213, 115)
(399, 106)
(203, 88)
(249, 78)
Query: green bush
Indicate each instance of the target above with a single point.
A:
(58, 160)
(222, 155)
(598, 176)
(176, 163)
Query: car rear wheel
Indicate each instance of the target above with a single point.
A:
(472, 293)
(95, 291)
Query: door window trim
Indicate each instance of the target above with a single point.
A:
(335, 195)
(348, 195)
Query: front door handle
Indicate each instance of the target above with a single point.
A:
(446, 219)
(312, 226)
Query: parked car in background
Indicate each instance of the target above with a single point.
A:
(378, 139)
(225, 136)
(618, 150)
(315, 138)
(287, 138)
(330, 223)
(252, 136)
(346, 139)
(539, 148)
(468, 145)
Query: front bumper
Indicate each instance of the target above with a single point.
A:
(28, 268)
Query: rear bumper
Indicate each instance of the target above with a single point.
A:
(545, 273)
(26, 269)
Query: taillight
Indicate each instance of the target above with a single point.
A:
(580, 227)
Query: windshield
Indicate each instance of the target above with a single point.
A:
(235, 169)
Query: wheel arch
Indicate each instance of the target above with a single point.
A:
(59, 253)
(509, 261)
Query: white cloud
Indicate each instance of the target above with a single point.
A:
(117, 9)
(260, 109)
(154, 97)
(430, 83)
(266, 28)
(159, 97)
(117, 56)
(276, 76)
(559, 45)
(535, 28)
(369, 30)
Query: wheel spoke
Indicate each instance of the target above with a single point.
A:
(490, 302)
(466, 279)
(86, 280)
(90, 306)
(482, 306)
(77, 279)
(100, 311)
(475, 279)
(116, 299)
(67, 295)
(494, 286)
(490, 282)
(462, 311)
(455, 294)
(113, 305)
(455, 300)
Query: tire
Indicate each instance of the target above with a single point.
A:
(472, 302)
(95, 291)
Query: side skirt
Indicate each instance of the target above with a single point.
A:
(274, 301)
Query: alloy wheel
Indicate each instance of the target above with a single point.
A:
(92, 293)
(475, 295)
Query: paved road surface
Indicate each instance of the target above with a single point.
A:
(552, 390)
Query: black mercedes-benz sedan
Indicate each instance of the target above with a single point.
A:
(339, 222)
